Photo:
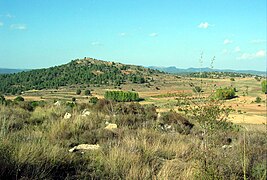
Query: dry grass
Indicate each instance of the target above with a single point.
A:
(40, 151)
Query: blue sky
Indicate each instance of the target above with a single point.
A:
(38, 33)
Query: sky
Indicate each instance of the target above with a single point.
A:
(44, 33)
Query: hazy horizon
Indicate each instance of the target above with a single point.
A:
(149, 66)
(41, 34)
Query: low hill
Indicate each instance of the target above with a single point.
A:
(174, 70)
(80, 71)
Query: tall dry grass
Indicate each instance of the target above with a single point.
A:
(34, 145)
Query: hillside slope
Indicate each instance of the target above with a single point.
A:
(80, 71)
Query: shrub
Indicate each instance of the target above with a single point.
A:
(257, 78)
(78, 91)
(197, 89)
(232, 79)
(93, 100)
(121, 96)
(134, 115)
(2, 99)
(104, 105)
(87, 92)
(264, 86)
(19, 99)
(258, 99)
(73, 99)
(179, 123)
(225, 93)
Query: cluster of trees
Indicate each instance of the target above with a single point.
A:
(225, 93)
(69, 74)
(121, 96)
(87, 92)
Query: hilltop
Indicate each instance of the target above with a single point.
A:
(86, 71)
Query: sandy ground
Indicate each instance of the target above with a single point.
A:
(248, 119)
(27, 98)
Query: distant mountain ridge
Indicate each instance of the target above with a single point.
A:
(174, 70)
(11, 71)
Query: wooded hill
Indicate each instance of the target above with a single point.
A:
(85, 71)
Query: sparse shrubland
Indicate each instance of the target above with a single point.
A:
(198, 144)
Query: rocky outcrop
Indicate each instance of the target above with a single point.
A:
(85, 113)
(67, 115)
(111, 126)
(84, 147)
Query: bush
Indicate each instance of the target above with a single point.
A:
(177, 121)
(258, 99)
(19, 99)
(232, 79)
(121, 96)
(93, 100)
(78, 91)
(197, 89)
(87, 92)
(104, 105)
(2, 99)
(264, 86)
(257, 78)
(225, 93)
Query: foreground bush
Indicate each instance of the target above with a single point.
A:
(176, 122)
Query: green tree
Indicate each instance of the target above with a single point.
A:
(93, 100)
(121, 96)
(258, 99)
(19, 99)
(225, 93)
(87, 92)
(78, 91)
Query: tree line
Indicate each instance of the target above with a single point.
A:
(121, 96)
